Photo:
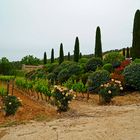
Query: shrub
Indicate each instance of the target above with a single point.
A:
(93, 63)
(117, 76)
(115, 58)
(75, 69)
(123, 64)
(84, 77)
(132, 76)
(69, 71)
(11, 104)
(62, 98)
(108, 67)
(108, 90)
(63, 76)
(52, 77)
(3, 92)
(136, 60)
(51, 67)
(79, 86)
(97, 78)
(68, 83)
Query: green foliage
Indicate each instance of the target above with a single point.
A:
(3, 92)
(6, 77)
(36, 74)
(76, 50)
(52, 77)
(66, 70)
(136, 36)
(68, 56)
(42, 86)
(45, 58)
(132, 76)
(11, 104)
(93, 63)
(30, 60)
(62, 98)
(115, 58)
(63, 75)
(108, 67)
(23, 84)
(52, 56)
(98, 44)
(127, 53)
(6, 67)
(84, 77)
(79, 86)
(61, 54)
(97, 78)
(50, 67)
(137, 60)
(123, 52)
(109, 90)
(68, 83)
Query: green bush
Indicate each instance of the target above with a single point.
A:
(84, 77)
(115, 58)
(11, 104)
(63, 65)
(63, 76)
(108, 67)
(136, 60)
(50, 67)
(132, 76)
(3, 92)
(97, 78)
(79, 86)
(75, 69)
(68, 83)
(52, 77)
(93, 63)
(69, 71)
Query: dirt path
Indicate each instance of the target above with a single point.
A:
(83, 122)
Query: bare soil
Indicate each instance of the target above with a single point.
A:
(84, 121)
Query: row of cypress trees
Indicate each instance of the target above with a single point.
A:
(135, 49)
(77, 53)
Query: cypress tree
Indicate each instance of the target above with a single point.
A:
(127, 53)
(98, 43)
(68, 56)
(136, 36)
(61, 54)
(45, 58)
(52, 56)
(124, 52)
(76, 50)
(80, 55)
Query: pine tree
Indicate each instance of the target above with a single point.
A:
(45, 58)
(124, 52)
(136, 36)
(98, 43)
(52, 56)
(127, 53)
(61, 54)
(76, 50)
(68, 56)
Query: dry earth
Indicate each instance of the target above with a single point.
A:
(85, 121)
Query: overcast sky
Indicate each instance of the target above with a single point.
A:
(34, 26)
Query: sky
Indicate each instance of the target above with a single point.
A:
(31, 27)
